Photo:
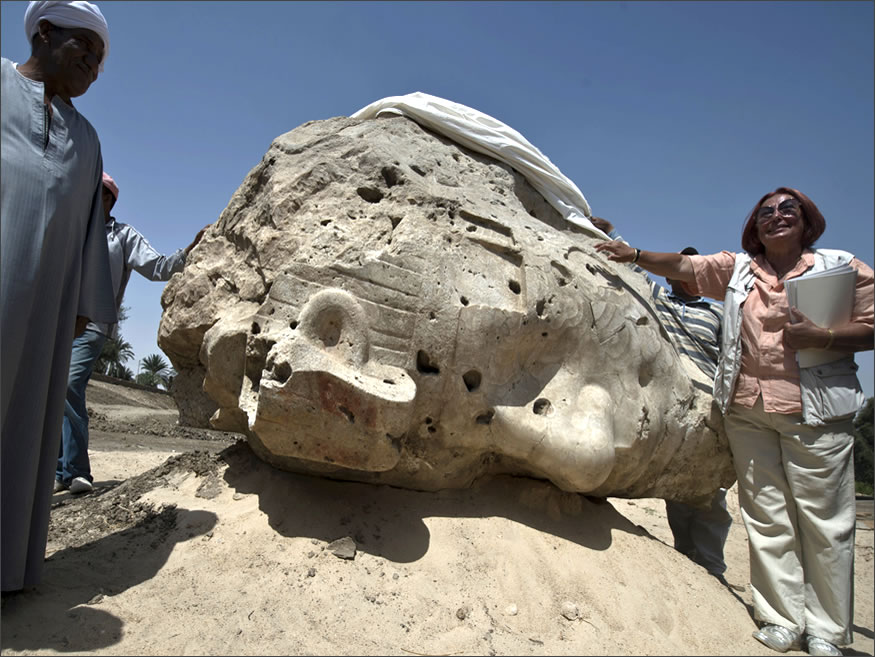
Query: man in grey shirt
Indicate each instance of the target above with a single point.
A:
(693, 325)
(128, 251)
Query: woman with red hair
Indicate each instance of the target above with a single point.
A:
(790, 428)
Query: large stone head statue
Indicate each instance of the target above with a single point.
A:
(378, 303)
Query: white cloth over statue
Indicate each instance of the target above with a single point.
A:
(484, 134)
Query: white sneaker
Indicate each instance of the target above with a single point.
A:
(778, 637)
(80, 485)
(818, 646)
(59, 486)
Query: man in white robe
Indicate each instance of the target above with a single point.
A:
(55, 269)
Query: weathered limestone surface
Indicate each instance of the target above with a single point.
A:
(377, 303)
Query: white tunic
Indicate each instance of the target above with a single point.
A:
(54, 266)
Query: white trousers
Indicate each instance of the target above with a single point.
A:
(796, 492)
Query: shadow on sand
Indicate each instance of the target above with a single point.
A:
(62, 613)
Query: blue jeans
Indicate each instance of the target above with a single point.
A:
(73, 459)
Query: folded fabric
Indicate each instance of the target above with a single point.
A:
(485, 134)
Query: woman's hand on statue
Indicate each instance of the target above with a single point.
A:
(616, 251)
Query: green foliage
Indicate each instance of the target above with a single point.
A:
(113, 356)
(122, 372)
(156, 372)
(149, 379)
(863, 448)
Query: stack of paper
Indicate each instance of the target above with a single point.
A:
(827, 299)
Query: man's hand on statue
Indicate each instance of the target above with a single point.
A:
(602, 224)
(197, 238)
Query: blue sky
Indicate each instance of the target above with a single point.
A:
(672, 118)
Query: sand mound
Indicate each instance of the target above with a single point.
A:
(212, 552)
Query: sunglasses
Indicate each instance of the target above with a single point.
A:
(787, 209)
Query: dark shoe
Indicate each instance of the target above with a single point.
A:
(818, 646)
(778, 638)
(724, 582)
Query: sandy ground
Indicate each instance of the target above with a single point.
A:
(190, 545)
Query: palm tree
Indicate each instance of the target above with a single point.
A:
(123, 373)
(155, 369)
(113, 356)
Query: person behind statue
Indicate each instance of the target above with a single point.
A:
(128, 251)
(790, 429)
(693, 325)
(54, 271)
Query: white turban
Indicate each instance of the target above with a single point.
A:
(67, 14)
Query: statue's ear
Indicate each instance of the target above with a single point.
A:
(335, 321)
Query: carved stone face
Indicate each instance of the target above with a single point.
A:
(424, 319)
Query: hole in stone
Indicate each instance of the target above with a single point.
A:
(424, 364)
(256, 329)
(389, 381)
(539, 307)
(432, 429)
(514, 286)
(428, 420)
(348, 413)
(431, 315)
(391, 176)
(370, 194)
(418, 169)
(472, 380)
(325, 222)
(464, 300)
(485, 418)
(293, 324)
(641, 321)
(542, 407)
(282, 372)
(544, 334)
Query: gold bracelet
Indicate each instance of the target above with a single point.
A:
(637, 255)
(831, 338)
